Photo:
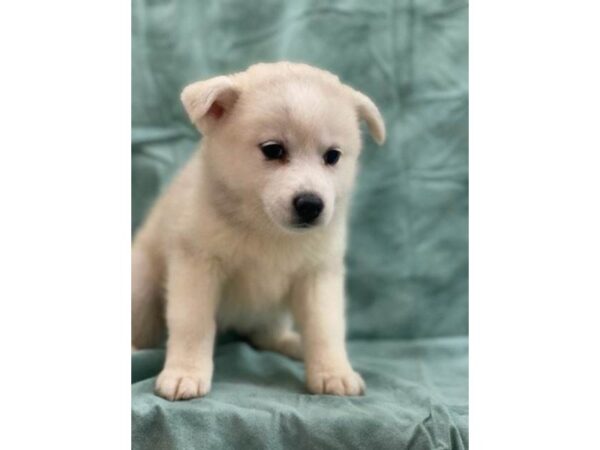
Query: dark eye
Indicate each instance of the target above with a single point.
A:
(272, 150)
(332, 156)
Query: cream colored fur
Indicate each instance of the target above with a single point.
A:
(218, 251)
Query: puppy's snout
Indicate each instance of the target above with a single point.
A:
(308, 207)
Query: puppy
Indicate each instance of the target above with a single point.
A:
(251, 234)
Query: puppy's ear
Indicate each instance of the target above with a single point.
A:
(206, 102)
(368, 112)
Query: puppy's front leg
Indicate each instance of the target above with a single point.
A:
(318, 305)
(192, 296)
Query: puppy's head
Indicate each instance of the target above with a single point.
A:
(282, 142)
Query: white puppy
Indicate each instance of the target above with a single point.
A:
(251, 234)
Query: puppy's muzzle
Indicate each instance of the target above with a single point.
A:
(308, 208)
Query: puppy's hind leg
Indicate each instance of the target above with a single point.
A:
(147, 316)
(280, 338)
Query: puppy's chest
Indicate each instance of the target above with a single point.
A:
(259, 278)
(261, 281)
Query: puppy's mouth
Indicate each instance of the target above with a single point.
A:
(294, 226)
(297, 226)
(303, 225)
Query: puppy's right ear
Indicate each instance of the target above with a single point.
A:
(206, 102)
(370, 114)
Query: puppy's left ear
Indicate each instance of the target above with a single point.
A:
(368, 112)
(207, 102)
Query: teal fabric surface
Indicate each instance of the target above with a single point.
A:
(415, 400)
(408, 253)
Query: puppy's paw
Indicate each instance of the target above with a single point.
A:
(182, 384)
(346, 382)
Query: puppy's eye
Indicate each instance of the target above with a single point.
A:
(332, 156)
(272, 150)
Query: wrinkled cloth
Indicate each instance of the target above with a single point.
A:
(415, 399)
(407, 255)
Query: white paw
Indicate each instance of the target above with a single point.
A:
(182, 384)
(346, 382)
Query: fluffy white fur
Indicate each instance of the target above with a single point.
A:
(218, 250)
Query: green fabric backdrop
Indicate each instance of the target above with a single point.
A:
(408, 252)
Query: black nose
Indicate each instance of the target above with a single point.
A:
(308, 206)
